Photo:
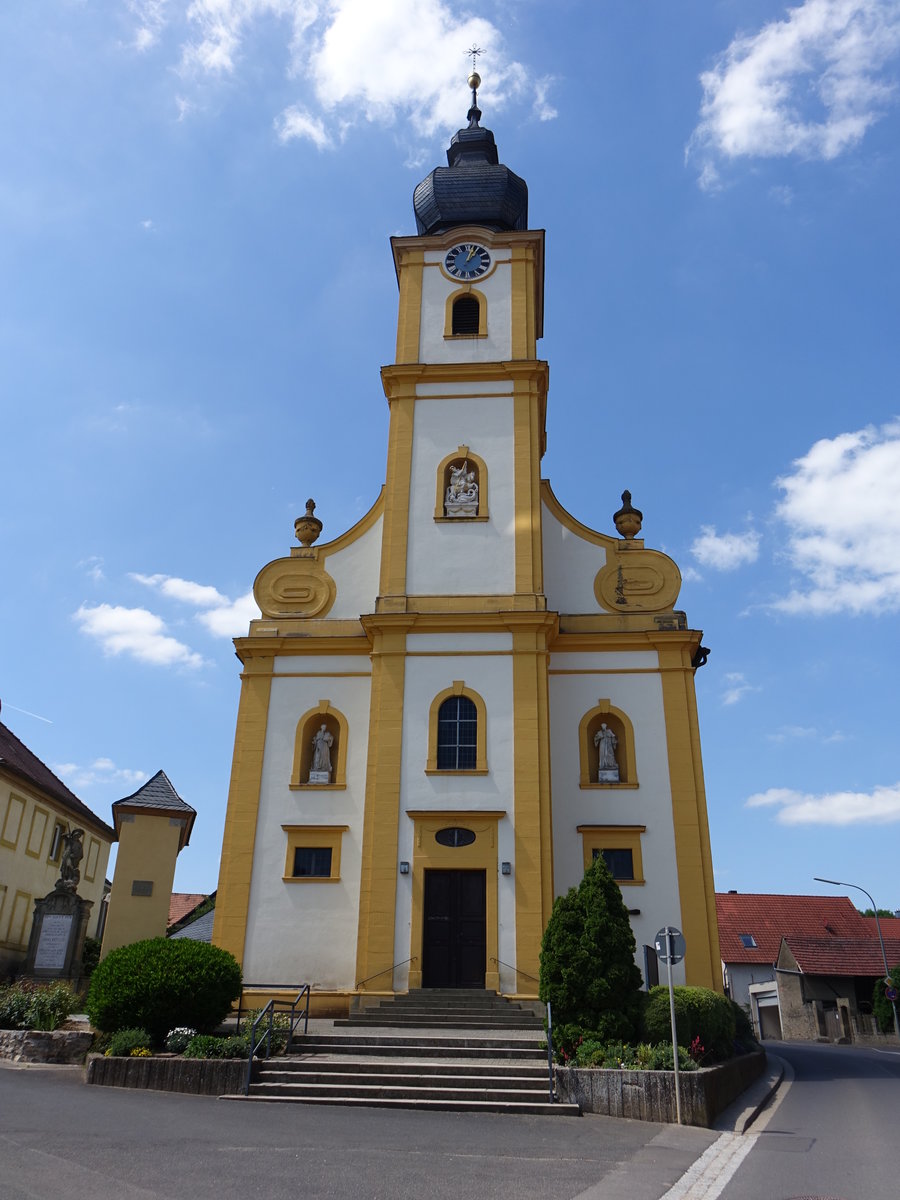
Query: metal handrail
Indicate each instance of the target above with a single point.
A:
(553, 1096)
(360, 982)
(501, 963)
(269, 1012)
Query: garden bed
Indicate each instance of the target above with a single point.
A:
(650, 1095)
(201, 1076)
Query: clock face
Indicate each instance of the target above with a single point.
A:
(467, 261)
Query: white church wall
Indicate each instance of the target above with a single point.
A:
(306, 932)
(650, 804)
(570, 567)
(462, 557)
(489, 675)
(495, 287)
(355, 571)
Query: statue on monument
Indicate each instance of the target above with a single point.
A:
(462, 494)
(606, 741)
(322, 743)
(73, 853)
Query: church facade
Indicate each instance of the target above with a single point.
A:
(450, 709)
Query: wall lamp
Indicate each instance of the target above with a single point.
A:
(506, 868)
(404, 868)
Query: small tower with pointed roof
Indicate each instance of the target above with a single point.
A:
(152, 826)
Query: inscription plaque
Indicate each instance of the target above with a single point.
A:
(53, 944)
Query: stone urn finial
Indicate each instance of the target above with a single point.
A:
(628, 520)
(308, 527)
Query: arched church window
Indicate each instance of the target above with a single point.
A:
(456, 732)
(466, 316)
(461, 487)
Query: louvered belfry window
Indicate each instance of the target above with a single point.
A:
(466, 315)
(457, 735)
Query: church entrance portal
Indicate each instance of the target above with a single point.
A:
(454, 933)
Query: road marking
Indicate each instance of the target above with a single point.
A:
(707, 1178)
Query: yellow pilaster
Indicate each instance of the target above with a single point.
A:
(378, 880)
(411, 264)
(529, 395)
(532, 799)
(693, 855)
(235, 869)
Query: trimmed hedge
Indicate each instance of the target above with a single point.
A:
(699, 1013)
(881, 1006)
(162, 983)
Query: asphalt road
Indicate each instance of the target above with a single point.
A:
(834, 1130)
(60, 1138)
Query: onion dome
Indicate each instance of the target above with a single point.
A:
(475, 188)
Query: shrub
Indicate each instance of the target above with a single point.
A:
(161, 983)
(588, 973)
(881, 1006)
(90, 956)
(177, 1039)
(36, 1006)
(744, 1037)
(205, 1046)
(126, 1041)
(624, 1056)
(281, 1029)
(699, 1012)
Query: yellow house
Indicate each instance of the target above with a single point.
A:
(36, 810)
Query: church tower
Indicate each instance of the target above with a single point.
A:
(447, 711)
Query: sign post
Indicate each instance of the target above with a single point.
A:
(670, 947)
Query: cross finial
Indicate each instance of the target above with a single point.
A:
(474, 83)
(474, 51)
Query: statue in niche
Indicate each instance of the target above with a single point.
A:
(606, 741)
(462, 494)
(73, 853)
(320, 771)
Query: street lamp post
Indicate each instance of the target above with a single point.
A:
(840, 883)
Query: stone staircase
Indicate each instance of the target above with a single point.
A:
(451, 1052)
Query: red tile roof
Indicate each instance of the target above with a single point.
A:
(769, 918)
(18, 760)
(183, 903)
(842, 956)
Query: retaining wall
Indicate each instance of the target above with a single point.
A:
(201, 1076)
(44, 1046)
(650, 1095)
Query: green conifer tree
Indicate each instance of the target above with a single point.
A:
(588, 971)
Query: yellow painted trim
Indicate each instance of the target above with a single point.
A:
(467, 290)
(355, 532)
(91, 859)
(531, 781)
(3, 893)
(303, 753)
(571, 523)
(458, 688)
(398, 377)
(378, 871)
(9, 837)
(410, 260)
(314, 837)
(21, 906)
(443, 482)
(428, 855)
(61, 826)
(529, 409)
(615, 837)
(693, 855)
(625, 751)
(236, 866)
(392, 579)
(36, 812)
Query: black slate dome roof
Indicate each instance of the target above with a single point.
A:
(474, 189)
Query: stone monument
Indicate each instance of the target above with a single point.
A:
(60, 920)
(607, 767)
(461, 499)
(320, 770)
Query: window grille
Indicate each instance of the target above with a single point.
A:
(457, 735)
(466, 316)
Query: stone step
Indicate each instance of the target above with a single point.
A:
(433, 1020)
(283, 1070)
(519, 1108)
(417, 1047)
(398, 1090)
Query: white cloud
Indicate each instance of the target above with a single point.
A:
(881, 806)
(221, 615)
(101, 770)
(841, 510)
(150, 16)
(148, 225)
(93, 565)
(725, 551)
(690, 574)
(135, 632)
(793, 733)
(808, 85)
(353, 60)
(737, 688)
(296, 122)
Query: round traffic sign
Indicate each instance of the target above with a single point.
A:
(890, 993)
(670, 945)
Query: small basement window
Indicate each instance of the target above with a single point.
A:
(619, 861)
(620, 848)
(313, 853)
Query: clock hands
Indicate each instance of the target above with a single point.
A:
(471, 253)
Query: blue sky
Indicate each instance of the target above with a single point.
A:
(197, 295)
